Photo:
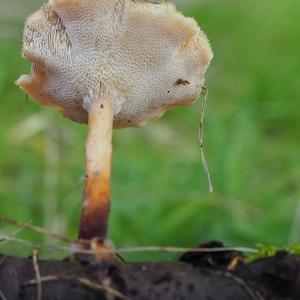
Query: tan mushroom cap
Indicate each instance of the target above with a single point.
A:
(146, 57)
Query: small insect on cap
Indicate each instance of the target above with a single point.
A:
(146, 57)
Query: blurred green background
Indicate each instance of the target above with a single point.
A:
(160, 193)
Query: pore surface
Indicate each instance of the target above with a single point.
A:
(145, 57)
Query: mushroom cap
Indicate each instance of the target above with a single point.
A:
(146, 57)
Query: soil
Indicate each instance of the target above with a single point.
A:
(196, 276)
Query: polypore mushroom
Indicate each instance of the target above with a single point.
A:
(111, 64)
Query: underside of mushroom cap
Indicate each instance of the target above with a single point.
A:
(146, 57)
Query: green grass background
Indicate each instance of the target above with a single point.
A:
(160, 194)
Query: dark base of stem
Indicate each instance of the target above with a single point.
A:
(94, 224)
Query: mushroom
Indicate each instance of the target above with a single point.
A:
(111, 64)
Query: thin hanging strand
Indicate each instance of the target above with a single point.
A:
(201, 138)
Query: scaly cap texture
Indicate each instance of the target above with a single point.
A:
(146, 57)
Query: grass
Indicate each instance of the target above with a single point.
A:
(160, 194)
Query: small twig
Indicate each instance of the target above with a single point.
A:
(35, 229)
(21, 228)
(34, 245)
(2, 296)
(238, 280)
(83, 281)
(37, 274)
(165, 250)
(134, 249)
(16, 232)
(183, 250)
(9, 238)
(233, 263)
(201, 139)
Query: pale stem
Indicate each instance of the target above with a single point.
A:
(96, 206)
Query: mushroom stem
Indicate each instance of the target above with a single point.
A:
(96, 206)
